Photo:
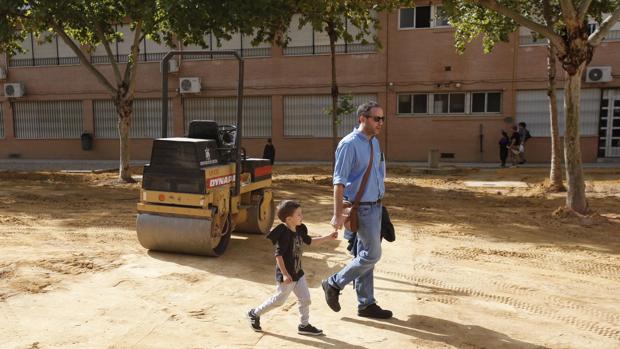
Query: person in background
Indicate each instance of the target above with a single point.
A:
(524, 135)
(515, 142)
(504, 144)
(270, 151)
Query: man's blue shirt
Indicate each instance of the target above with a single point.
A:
(352, 157)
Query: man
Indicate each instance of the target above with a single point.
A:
(352, 158)
(270, 151)
(524, 135)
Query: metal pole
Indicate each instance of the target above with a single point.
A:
(164, 94)
(164, 84)
(239, 127)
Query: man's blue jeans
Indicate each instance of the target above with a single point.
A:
(368, 254)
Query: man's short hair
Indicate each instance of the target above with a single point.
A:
(523, 124)
(286, 209)
(364, 109)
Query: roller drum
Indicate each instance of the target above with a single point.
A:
(179, 235)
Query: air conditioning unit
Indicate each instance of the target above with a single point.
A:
(173, 66)
(14, 90)
(598, 74)
(189, 85)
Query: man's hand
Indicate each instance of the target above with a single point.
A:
(337, 221)
(287, 279)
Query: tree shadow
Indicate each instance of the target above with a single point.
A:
(421, 289)
(448, 332)
(250, 257)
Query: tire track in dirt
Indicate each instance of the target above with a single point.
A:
(587, 325)
(536, 259)
(513, 289)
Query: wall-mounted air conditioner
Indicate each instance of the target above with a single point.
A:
(598, 74)
(189, 85)
(14, 90)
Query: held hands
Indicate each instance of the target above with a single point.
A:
(338, 221)
(333, 236)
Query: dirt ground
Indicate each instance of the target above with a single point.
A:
(475, 265)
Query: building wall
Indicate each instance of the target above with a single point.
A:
(411, 61)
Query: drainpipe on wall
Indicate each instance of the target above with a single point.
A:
(481, 136)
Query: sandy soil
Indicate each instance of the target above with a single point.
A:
(472, 267)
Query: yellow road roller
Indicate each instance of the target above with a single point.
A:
(198, 189)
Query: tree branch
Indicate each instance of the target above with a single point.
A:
(568, 10)
(554, 38)
(132, 62)
(582, 12)
(596, 37)
(108, 50)
(85, 62)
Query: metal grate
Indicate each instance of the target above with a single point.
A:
(324, 49)
(533, 109)
(48, 119)
(40, 52)
(223, 110)
(145, 120)
(305, 116)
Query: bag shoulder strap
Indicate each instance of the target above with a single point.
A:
(358, 196)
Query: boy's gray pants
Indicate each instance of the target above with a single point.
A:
(300, 288)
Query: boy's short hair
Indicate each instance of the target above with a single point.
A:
(286, 208)
(523, 124)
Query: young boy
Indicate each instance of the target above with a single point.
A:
(288, 238)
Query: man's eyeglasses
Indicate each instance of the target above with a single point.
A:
(377, 118)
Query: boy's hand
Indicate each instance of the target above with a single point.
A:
(287, 279)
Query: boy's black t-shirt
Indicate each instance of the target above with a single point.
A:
(289, 245)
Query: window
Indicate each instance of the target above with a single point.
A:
(532, 107)
(416, 104)
(441, 20)
(457, 102)
(46, 49)
(486, 102)
(404, 104)
(306, 41)
(417, 17)
(444, 103)
(305, 116)
(240, 43)
(449, 103)
(48, 119)
(440, 103)
(420, 104)
(256, 113)
(145, 119)
(422, 17)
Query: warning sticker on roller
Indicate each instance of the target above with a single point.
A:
(219, 181)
